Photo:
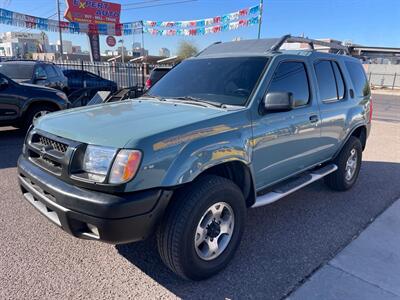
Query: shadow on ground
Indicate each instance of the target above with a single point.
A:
(11, 141)
(285, 241)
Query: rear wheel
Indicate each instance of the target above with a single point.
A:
(35, 113)
(202, 228)
(348, 162)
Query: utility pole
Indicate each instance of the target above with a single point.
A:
(122, 50)
(260, 21)
(59, 29)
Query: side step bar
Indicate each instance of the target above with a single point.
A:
(294, 185)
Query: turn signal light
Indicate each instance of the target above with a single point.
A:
(125, 166)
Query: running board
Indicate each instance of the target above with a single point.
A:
(294, 185)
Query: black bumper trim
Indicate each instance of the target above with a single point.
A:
(46, 198)
(94, 203)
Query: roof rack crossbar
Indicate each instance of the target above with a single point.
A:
(311, 42)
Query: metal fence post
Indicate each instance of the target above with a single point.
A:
(394, 81)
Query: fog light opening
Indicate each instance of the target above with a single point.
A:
(93, 229)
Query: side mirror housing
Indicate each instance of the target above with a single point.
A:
(278, 101)
(3, 83)
(40, 77)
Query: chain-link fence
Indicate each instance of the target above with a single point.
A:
(384, 80)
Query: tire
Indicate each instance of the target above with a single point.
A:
(33, 112)
(340, 180)
(177, 232)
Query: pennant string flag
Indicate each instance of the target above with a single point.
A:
(241, 18)
(254, 10)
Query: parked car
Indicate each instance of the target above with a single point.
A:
(243, 124)
(78, 79)
(35, 72)
(21, 103)
(155, 75)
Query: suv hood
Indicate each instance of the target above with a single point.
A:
(38, 87)
(115, 124)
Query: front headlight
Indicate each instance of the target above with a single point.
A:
(125, 166)
(62, 96)
(97, 162)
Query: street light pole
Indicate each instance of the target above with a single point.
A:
(59, 29)
(260, 21)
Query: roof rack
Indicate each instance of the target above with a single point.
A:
(311, 42)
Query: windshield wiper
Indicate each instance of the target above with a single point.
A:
(197, 100)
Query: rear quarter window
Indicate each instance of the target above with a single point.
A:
(358, 77)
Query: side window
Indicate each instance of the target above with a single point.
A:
(339, 80)
(326, 80)
(50, 71)
(39, 72)
(90, 76)
(292, 77)
(358, 78)
(58, 70)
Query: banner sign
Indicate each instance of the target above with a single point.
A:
(93, 12)
(94, 42)
(216, 24)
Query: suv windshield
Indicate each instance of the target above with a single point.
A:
(223, 80)
(17, 71)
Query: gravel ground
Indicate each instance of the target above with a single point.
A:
(283, 243)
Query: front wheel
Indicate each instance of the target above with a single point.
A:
(35, 113)
(349, 163)
(202, 228)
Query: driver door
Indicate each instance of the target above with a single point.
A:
(287, 142)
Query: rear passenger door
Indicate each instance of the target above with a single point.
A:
(287, 142)
(334, 96)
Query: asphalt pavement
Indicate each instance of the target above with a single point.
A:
(283, 245)
(367, 269)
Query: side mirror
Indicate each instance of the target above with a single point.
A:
(40, 77)
(3, 83)
(278, 101)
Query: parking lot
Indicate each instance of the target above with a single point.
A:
(283, 244)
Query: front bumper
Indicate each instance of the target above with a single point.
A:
(112, 218)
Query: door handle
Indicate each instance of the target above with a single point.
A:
(314, 119)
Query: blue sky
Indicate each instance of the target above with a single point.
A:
(368, 22)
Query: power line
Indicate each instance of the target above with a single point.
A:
(161, 4)
(140, 2)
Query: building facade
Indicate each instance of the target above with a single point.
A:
(20, 44)
(164, 52)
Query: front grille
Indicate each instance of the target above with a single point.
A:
(48, 153)
(60, 147)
